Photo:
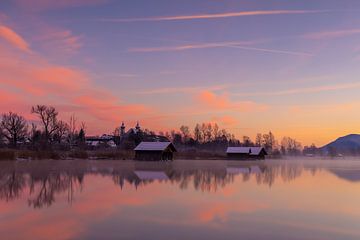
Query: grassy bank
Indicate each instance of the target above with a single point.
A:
(198, 155)
(113, 154)
(100, 154)
(14, 154)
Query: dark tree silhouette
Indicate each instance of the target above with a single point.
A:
(14, 127)
(48, 117)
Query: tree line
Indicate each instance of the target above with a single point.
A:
(211, 136)
(50, 131)
(15, 129)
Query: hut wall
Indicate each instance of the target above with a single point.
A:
(238, 156)
(245, 156)
(153, 155)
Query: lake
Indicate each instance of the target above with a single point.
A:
(273, 199)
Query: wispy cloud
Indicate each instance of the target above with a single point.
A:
(14, 39)
(318, 89)
(238, 45)
(267, 50)
(332, 34)
(183, 89)
(215, 15)
(190, 46)
(63, 41)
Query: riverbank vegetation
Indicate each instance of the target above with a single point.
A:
(48, 137)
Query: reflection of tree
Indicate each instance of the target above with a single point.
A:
(120, 178)
(202, 180)
(48, 183)
(211, 180)
(44, 188)
(11, 185)
(287, 172)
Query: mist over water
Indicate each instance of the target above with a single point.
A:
(279, 199)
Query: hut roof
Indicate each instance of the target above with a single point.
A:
(248, 150)
(154, 146)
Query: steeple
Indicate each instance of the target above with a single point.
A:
(137, 127)
(122, 129)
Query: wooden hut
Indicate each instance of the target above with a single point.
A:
(154, 151)
(246, 153)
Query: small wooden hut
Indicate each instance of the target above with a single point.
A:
(246, 153)
(154, 151)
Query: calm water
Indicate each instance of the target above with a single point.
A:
(309, 199)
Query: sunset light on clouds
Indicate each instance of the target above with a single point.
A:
(291, 67)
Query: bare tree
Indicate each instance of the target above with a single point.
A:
(72, 124)
(203, 132)
(259, 140)
(83, 126)
(62, 130)
(72, 129)
(247, 141)
(48, 117)
(216, 131)
(209, 132)
(291, 146)
(14, 127)
(269, 141)
(185, 132)
(197, 133)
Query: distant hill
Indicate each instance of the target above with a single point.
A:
(352, 175)
(349, 144)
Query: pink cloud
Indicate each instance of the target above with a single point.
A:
(226, 120)
(223, 102)
(36, 76)
(107, 107)
(10, 36)
(32, 79)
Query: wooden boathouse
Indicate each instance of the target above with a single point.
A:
(154, 151)
(246, 153)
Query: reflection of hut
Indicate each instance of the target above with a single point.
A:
(151, 175)
(153, 151)
(234, 170)
(255, 169)
(246, 153)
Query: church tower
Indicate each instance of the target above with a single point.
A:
(137, 127)
(122, 129)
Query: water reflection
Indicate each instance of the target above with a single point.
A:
(180, 200)
(41, 182)
(42, 189)
(12, 185)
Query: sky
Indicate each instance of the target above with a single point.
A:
(290, 67)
